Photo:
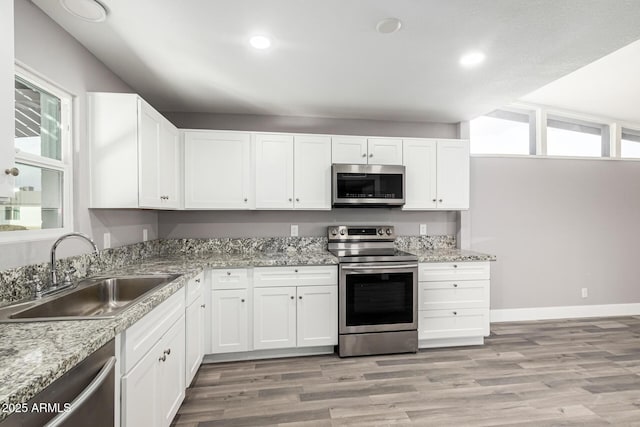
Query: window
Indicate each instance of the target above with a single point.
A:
(569, 137)
(503, 132)
(630, 144)
(42, 192)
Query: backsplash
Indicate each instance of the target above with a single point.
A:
(16, 283)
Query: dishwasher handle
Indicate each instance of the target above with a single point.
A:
(85, 394)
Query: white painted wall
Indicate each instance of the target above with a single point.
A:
(44, 47)
(556, 226)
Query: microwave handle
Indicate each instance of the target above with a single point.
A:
(378, 267)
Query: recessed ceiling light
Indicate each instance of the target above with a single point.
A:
(87, 10)
(389, 25)
(472, 59)
(260, 42)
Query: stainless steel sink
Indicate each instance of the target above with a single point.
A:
(96, 298)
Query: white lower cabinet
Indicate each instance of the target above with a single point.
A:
(317, 316)
(195, 326)
(274, 317)
(229, 320)
(453, 303)
(153, 362)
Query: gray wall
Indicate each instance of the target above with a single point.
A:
(45, 48)
(248, 122)
(557, 225)
(278, 223)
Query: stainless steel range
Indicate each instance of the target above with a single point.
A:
(377, 291)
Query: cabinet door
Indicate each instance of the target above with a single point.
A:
(7, 125)
(312, 172)
(229, 315)
(420, 174)
(217, 170)
(169, 171)
(140, 388)
(317, 316)
(194, 341)
(274, 171)
(349, 149)
(171, 385)
(149, 130)
(453, 174)
(274, 317)
(385, 151)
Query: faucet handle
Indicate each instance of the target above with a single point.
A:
(67, 276)
(37, 286)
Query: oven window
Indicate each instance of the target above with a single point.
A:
(379, 299)
(369, 186)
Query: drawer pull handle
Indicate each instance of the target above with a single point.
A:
(203, 305)
(163, 358)
(197, 280)
(167, 351)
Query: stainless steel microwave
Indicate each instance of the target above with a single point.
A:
(367, 185)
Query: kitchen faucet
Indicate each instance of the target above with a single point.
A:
(66, 283)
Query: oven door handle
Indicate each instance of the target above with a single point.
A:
(378, 267)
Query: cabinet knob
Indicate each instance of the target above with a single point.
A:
(242, 300)
(300, 297)
(12, 171)
(455, 313)
(228, 273)
(364, 154)
(203, 306)
(455, 285)
(292, 297)
(455, 265)
(439, 200)
(197, 280)
(434, 200)
(290, 199)
(162, 359)
(295, 271)
(371, 155)
(167, 351)
(297, 200)
(246, 200)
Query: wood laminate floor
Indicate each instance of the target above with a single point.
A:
(582, 372)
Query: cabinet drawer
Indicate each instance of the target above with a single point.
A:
(438, 324)
(453, 294)
(439, 271)
(146, 332)
(232, 278)
(295, 276)
(194, 288)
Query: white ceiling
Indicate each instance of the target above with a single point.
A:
(607, 88)
(327, 60)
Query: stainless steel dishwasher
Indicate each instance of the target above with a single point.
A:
(83, 396)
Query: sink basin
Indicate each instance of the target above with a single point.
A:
(97, 298)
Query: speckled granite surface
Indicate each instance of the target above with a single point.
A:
(33, 355)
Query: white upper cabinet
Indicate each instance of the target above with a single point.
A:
(7, 125)
(384, 151)
(349, 149)
(134, 154)
(312, 172)
(359, 150)
(453, 174)
(159, 149)
(217, 170)
(437, 174)
(293, 171)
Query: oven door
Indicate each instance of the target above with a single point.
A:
(378, 297)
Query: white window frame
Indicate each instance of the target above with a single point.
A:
(65, 165)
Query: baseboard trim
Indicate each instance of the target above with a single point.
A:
(567, 312)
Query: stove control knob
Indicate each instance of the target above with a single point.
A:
(380, 232)
(389, 232)
(342, 232)
(334, 232)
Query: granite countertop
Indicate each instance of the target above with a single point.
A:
(35, 354)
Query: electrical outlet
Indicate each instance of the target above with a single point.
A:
(585, 292)
(106, 241)
(294, 230)
(145, 234)
(423, 229)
